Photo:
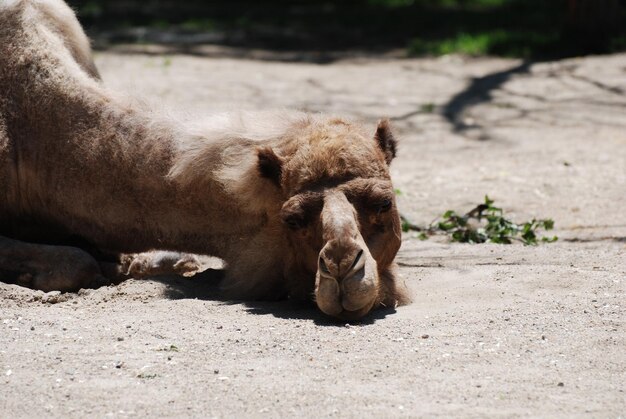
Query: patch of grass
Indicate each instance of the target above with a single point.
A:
(497, 42)
(427, 108)
(198, 25)
(462, 43)
(484, 224)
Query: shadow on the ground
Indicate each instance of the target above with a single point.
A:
(594, 239)
(246, 53)
(202, 286)
(308, 311)
(479, 91)
(206, 286)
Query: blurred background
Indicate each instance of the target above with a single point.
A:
(530, 29)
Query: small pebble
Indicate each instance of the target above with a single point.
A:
(425, 336)
(560, 384)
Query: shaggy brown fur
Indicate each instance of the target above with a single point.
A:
(297, 205)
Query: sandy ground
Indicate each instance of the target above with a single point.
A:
(505, 331)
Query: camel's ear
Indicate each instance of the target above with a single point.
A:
(270, 165)
(385, 140)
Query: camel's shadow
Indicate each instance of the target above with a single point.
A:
(205, 286)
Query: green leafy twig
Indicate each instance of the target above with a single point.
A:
(483, 224)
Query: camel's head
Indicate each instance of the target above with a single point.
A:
(339, 214)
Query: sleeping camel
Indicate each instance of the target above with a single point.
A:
(297, 205)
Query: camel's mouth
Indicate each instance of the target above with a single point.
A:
(348, 296)
(333, 302)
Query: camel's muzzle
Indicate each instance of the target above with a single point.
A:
(347, 276)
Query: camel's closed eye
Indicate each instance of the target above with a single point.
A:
(384, 206)
(295, 222)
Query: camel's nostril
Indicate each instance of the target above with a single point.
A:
(323, 267)
(356, 260)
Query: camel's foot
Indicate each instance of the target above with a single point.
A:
(48, 268)
(156, 263)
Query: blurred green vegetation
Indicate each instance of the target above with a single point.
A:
(498, 42)
(533, 29)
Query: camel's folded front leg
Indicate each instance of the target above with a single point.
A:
(156, 263)
(48, 268)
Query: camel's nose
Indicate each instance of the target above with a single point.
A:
(341, 259)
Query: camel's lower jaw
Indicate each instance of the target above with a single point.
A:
(350, 315)
(355, 315)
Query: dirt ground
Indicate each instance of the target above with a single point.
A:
(494, 330)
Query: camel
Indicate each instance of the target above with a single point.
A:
(297, 205)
